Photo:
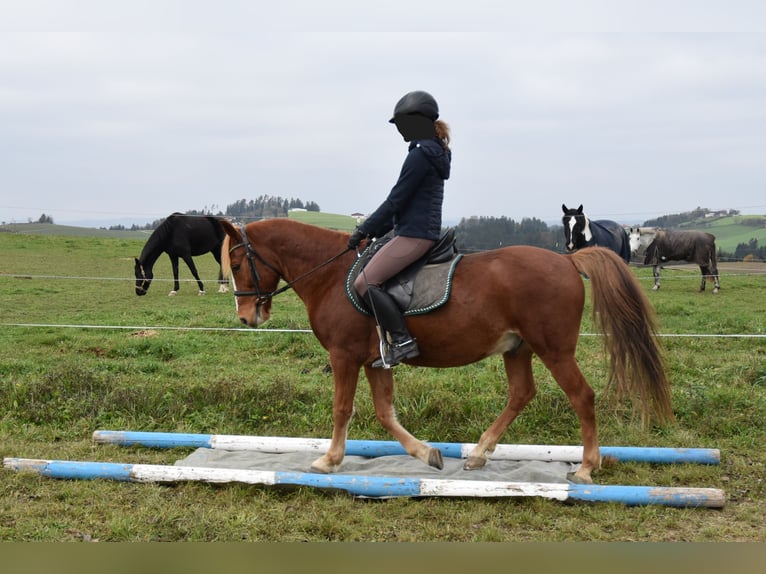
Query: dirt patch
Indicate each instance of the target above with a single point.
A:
(145, 333)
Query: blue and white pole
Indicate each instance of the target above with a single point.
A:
(375, 486)
(376, 448)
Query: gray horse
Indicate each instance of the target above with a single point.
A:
(670, 245)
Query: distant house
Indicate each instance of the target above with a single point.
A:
(359, 217)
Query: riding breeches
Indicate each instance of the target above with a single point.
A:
(393, 257)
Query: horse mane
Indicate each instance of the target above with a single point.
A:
(278, 226)
(157, 238)
(225, 257)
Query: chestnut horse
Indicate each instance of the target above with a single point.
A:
(515, 301)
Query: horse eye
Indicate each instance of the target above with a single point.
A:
(235, 268)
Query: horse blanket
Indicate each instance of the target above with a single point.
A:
(610, 235)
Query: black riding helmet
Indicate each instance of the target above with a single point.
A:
(417, 102)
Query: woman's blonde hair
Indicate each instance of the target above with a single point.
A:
(442, 132)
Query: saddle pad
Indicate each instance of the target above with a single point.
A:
(431, 287)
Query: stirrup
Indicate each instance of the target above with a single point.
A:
(396, 353)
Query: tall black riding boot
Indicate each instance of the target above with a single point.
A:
(390, 318)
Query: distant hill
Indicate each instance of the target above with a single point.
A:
(71, 231)
(329, 220)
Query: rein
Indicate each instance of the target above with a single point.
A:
(252, 255)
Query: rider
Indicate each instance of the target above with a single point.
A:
(413, 209)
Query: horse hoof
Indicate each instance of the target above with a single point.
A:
(321, 466)
(172, 293)
(474, 463)
(435, 458)
(201, 293)
(574, 478)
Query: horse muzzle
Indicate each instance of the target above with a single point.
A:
(255, 319)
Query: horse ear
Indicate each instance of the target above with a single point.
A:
(564, 207)
(579, 209)
(229, 229)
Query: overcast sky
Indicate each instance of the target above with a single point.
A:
(127, 111)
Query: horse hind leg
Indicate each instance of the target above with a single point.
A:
(568, 375)
(223, 284)
(521, 390)
(193, 268)
(710, 272)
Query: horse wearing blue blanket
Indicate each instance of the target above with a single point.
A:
(581, 232)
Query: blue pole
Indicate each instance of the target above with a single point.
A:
(646, 495)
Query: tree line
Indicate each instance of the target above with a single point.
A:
(263, 207)
(483, 233)
(473, 233)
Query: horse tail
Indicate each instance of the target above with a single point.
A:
(713, 255)
(626, 318)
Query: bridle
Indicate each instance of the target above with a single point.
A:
(251, 254)
(145, 282)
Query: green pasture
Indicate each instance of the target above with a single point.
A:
(81, 352)
(330, 220)
(731, 231)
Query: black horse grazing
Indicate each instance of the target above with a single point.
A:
(671, 245)
(181, 236)
(580, 232)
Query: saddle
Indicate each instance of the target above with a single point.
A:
(419, 288)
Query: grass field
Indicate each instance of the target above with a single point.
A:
(731, 231)
(181, 364)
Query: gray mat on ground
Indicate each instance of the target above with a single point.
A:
(399, 466)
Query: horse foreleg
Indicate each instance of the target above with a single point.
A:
(521, 390)
(656, 273)
(176, 284)
(345, 376)
(382, 388)
(582, 398)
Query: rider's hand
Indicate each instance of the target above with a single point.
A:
(356, 238)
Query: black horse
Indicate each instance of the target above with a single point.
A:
(580, 232)
(181, 236)
(665, 245)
